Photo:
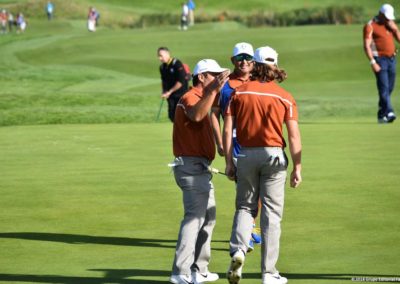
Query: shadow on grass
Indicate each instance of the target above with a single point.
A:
(85, 239)
(119, 275)
(72, 279)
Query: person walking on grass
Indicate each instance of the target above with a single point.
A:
(3, 21)
(173, 79)
(184, 17)
(259, 109)
(242, 59)
(379, 46)
(194, 150)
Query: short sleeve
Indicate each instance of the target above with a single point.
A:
(291, 110)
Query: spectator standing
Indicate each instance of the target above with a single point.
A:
(3, 21)
(91, 19)
(49, 10)
(191, 5)
(259, 109)
(379, 46)
(21, 23)
(184, 16)
(194, 150)
(173, 79)
(11, 21)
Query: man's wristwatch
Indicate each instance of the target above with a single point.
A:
(372, 62)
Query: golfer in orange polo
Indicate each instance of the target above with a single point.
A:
(194, 150)
(259, 109)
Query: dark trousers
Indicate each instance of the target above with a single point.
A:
(172, 102)
(385, 80)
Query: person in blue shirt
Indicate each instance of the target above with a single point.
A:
(49, 10)
(191, 5)
(242, 59)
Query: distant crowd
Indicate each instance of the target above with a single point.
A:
(9, 23)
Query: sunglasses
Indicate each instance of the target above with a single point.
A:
(243, 56)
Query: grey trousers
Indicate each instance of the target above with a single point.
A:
(193, 249)
(261, 174)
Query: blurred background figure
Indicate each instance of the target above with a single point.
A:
(191, 5)
(380, 34)
(92, 19)
(184, 17)
(173, 79)
(49, 10)
(97, 16)
(21, 23)
(3, 21)
(11, 21)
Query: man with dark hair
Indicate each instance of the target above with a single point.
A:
(379, 46)
(173, 79)
(194, 150)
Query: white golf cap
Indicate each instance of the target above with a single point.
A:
(207, 65)
(266, 55)
(388, 11)
(243, 47)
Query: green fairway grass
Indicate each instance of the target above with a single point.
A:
(98, 204)
(63, 74)
(85, 192)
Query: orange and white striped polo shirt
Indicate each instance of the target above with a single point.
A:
(260, 110)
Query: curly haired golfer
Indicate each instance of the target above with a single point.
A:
(259, 109)
(194, 150)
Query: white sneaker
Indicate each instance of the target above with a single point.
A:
(391, 117)
(275, 278)
(234, 273)
(383, 120)
(200, 278)
(181, 279)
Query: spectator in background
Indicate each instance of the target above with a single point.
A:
(380, 48)
(92, 19)
(49, 10)
(3, 21)
(184, 17)
(97, 16)
(191, 5)
(11, 22)
(173, 79)
(21, 23)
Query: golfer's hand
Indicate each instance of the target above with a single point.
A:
(391, 25)
(166, 95)
(220, 80)
(220, 150)
(295, 178)
(376, 67)
(230, 171)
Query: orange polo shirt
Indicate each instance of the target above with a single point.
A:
(192, 138)
(382, 38)
(260, 110)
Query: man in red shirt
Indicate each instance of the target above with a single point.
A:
(379, 46)
(259, 109)
(194, 150)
